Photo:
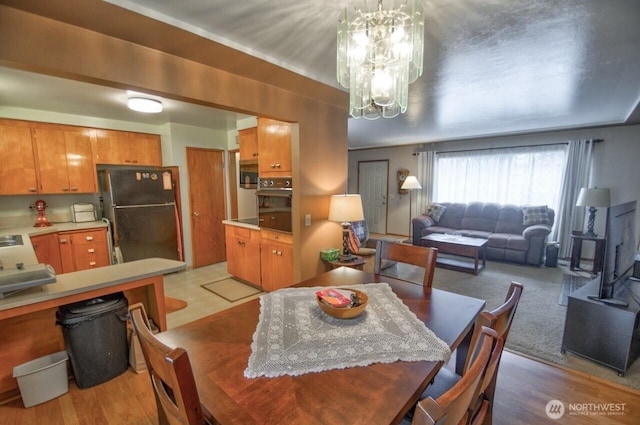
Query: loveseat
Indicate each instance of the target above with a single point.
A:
(515, 233)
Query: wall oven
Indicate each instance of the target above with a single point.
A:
(274, 203)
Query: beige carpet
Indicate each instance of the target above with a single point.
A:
(539, 321)
(231, 289)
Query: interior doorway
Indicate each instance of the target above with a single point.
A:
(205, 168)
(373, 179)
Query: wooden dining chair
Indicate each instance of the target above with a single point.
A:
(500, 320)
(408, 254)
(453, 407)
(171, 376)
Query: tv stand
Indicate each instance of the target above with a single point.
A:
(602, 332)
(609, 301)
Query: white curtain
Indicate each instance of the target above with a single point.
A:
(426, 170)
(521, 176)
(576, 176)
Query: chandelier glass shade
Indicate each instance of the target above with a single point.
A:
(379, 54)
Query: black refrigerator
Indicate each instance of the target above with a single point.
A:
(140, 205)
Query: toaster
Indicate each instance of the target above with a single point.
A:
(81, 213)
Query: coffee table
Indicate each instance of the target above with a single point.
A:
(460, 246)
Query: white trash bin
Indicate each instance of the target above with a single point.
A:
(42, 379)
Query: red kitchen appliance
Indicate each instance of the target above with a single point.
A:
(41, 221)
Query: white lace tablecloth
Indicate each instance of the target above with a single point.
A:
(294, 336)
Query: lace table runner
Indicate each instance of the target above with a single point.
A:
(294, 336)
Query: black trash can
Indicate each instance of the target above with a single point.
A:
(95, 334)
(551, 255)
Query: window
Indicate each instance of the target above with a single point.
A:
(520, 176)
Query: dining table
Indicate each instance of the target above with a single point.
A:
(220, 345)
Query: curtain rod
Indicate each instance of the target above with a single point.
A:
(506, 147)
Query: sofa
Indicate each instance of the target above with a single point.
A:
(515, 234)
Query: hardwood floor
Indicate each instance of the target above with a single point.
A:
(525, 386)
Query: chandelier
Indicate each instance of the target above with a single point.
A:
(379, 54)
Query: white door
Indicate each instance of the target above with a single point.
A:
(372, 185)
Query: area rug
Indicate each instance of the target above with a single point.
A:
(172, 305)
(538, 324)
(231, 289)
(570, 283)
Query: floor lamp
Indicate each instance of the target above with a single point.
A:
(410, 183)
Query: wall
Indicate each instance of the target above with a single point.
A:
(177, 139)
(54, 38)
(614, 164)
(397, 204)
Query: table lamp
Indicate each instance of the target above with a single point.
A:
(410, 183)
(592, 198)
(345, 209)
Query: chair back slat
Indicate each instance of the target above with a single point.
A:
(452, 408)
(409, 254)
(171, 374)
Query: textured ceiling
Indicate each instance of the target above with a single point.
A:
(492, 67)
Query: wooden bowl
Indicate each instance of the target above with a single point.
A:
(345, 312)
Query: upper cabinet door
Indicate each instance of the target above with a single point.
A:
(64, 160)
(248, 141)
(124, 148)
(80, 166)
(274, 145)
(18, 171)
(52, 160)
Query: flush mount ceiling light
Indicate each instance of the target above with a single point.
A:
(379, 54)
(144, 104)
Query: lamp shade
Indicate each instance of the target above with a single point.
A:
(346, 208)
(593, 197)
(410, 183)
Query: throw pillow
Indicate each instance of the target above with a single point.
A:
(535, 215)
(354, 242)
(435, 211)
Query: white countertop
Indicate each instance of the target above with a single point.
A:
(10, 255)
(102, 277)
(241, 224)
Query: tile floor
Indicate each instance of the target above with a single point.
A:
(187, 286)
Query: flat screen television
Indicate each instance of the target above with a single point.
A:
(619, 253)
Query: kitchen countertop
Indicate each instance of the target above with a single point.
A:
(77, 282)
(83, 281)
(10, 255)
(251, 223)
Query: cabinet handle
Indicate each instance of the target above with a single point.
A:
(92, 263)
(277, 165)
(74, 189)
(89, 238)
(274, 252)
(33, 189)
(279, 253)
(65, 189)
(63, 241)
(91, 250)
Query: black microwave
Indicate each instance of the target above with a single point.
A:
(248, 176)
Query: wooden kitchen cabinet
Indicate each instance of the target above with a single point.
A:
(114, 147)
(47, 250)
(248, 141)
(18, 172)
(274, 145)
(243, 253)
(276, 260)
(64, 159)
(83, 249)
